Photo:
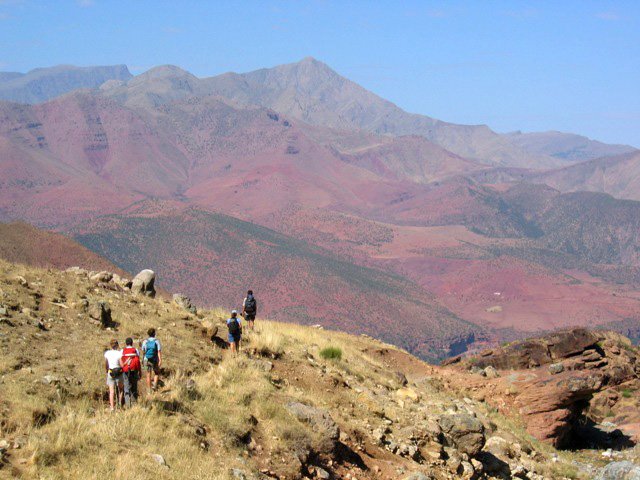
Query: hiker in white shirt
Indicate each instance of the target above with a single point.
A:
(114, 373)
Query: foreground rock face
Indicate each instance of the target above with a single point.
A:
(563, 380)
(619, 471)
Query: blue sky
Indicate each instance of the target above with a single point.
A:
(570, 65)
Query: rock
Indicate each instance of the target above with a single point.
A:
(3, 311)
(619, 471)
(556, 368)
(322, 473)
(418, 476)
(184, 302)
(101, 311)
(478, 371)
(104, 277)
(121, 281)
(77, 270)
(466, 470)
(491, 372)
(143, 283)
(320, 420)
(237, 473)
(50, 380)
(464, 432)
(159, 459)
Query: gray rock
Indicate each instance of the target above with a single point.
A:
(491, 372)
(556, 368)
(239, 474)
(104, 277)
(184, 302)
(102, 311)
(159, 459)
(619, 471)
(50, 380)
(322, 473)
(3, 311)
(464, 432)
(320, 420)
(143, 283)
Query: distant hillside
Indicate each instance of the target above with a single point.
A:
(45, 83)
(618, 176)
(566, 146)
(22, 243)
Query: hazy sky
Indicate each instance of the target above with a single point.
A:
(571, 65)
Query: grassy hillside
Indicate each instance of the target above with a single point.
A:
(368, 409)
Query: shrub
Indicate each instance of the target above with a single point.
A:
(626, 393)
(331, 353)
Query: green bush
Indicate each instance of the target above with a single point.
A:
(626, 393)
(331, 353)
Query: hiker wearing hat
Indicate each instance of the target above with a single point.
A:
(235, 331)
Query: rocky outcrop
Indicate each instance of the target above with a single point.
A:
(143, 283)
(184, 302)
(538, 351)
(563, 380)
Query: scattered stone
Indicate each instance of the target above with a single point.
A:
(3, 311)
(418, 476)
(556, 368)
(239, 474)
(407, 394)
(401, 379)
(143, 283)
(50, 380)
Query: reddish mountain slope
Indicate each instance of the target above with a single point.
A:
(22, 243)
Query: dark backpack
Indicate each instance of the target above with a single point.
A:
(234, 327)
(151, 350)
(250, 306)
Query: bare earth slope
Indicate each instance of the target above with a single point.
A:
(22, 243)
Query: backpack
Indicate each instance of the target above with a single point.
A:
(234, 327)
(250, 305)
(151, 350)
(131, 360)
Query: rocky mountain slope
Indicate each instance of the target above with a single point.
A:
(298, 402)
(567, 146)
(43, 84)
(617, 175)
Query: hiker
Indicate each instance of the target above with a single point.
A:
(235, 331)
(131, 370)
(249, 309)
(114, 373)
(152, 351)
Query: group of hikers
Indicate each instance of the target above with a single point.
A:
(124, 367)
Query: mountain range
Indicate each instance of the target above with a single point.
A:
(327, 198)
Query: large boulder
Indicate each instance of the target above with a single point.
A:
(464, 432)
(143, 283)
(321, 422)
(619, 471)
(101, 311)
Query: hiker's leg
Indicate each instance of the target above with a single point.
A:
(233, 347)
(148, 381)
(112, 388)
(134, 386)
(127, 388)
(156, 376)
(120, 392)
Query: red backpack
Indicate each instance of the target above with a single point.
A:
(130, 359)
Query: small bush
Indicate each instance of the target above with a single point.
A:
(331, 353)
(627, 393)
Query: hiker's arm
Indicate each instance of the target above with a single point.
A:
(106, 365)
(159, 358)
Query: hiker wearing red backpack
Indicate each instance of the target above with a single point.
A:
(131, 370)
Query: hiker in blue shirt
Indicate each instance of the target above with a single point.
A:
(152, 352)
(235, 332)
